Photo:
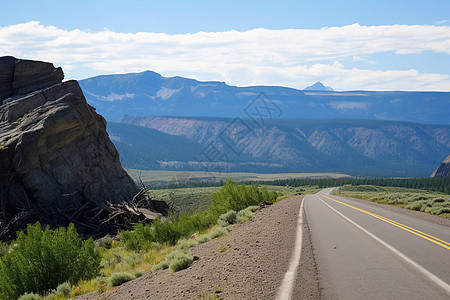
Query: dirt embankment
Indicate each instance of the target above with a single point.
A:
(248, 263)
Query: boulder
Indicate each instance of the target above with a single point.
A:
(57, 163)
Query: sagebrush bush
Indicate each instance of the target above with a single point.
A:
(203, 238)
(43, 259)
(119, 278)
(227, 218)
(253, 208)
(160, 266)
(180, 261)
(175, 260)
(185, 244)
(244, 215)
(217, 232)
(64, 289)
(30, 296)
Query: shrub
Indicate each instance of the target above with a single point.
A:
(253, 208)
(30, 296)
(244, 215)
(105, 242)
(202, 238)
(180, 261)
(443, 210)
(176, 260)
(45, 258)
(64, 289)
(160, 266)
(185, 244)
(138, 239)
(227, 218)
(217, 232)
(230, 197)
(118, 278)
(237, 197)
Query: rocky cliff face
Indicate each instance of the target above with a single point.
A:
(443, 170)
(55, 155)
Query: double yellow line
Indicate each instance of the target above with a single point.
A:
(423, 235)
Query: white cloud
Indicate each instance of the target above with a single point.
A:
(442, 22)
(292, 57)
(363, 59)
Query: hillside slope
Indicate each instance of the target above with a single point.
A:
(357, 147)
(149, 149)
(443, 170)
(151, 94)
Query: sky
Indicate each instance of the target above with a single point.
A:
(348, 45)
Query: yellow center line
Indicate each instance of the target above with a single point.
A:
(423, 235)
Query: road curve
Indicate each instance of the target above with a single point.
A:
(367, 252)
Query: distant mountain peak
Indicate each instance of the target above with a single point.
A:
(318, 86)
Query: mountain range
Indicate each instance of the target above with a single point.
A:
(176, 123)
(150, 94)
(356, 147)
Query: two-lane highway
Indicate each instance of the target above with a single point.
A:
(367, 252)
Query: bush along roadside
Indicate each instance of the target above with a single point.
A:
(57, 264)
(40, 260)
(435, 203)
(231, 197)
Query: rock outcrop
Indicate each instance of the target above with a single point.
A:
(443, 170)
(57, 163)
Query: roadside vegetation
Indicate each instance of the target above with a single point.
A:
(190, 200)
(57, 264)
(430, 202)
(429, 184)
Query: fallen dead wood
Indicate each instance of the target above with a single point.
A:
(92, 219)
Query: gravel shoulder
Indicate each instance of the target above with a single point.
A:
(248, 263)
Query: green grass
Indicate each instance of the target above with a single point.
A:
(430, 202)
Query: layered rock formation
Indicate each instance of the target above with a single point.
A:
(443, 170)
(56, 159)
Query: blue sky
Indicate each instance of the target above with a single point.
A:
(375, 45)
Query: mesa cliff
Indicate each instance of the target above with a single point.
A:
(57, 163)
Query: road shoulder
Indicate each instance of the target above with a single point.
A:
(248, 263)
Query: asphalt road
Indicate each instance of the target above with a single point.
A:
(367, 252)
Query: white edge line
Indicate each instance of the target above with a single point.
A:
(424, 271)
(287, 285)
